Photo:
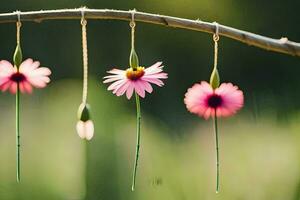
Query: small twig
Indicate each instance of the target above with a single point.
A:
(277, 45)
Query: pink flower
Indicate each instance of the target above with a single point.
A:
(203, 100)
(29, 74)
(85, 129)
(135, 80)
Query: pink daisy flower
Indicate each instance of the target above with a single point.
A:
(203, 100)
(137, 80)
(29, 74)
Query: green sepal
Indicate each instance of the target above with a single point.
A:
(84, 112)
(18, 56)
(215, 79)
(133, 59)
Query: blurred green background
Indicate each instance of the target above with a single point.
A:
(260, 146)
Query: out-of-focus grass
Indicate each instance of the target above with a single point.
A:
(259, 159)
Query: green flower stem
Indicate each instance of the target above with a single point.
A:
(215, 122)
(138, 138)
(18, 132)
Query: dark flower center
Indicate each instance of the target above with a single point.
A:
(214, 101)
(135, 74)
(17, 77)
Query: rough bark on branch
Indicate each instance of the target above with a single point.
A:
(282, 45)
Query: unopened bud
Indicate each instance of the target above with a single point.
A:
(18, 56)
(214, 79)
(84, 112)
(133, 59)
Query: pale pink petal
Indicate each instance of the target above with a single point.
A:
(116, 71)
(89, 130)
(115, 85)
(122, 89)
(80, 127)
(139, 90)
(85, 130)
(129, 91)
(112, 79)
(42, 71)
(6, 68)
(154, 68)
(28, 66)
(39, 82)
(158, 76)
(154, 81)
(144, 84)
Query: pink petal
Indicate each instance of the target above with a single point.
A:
(4, 64)
(6, 68)
(153, 80)
(39, 82)
(112, 79)
(80, 129)
(139, 90)
(116, 71)
(154, 68)
(89, 129)
(5, 86)
(195, 99)
(4, 80)
(13, 88)
(209, 112)
(158, 76)
(115, 85)
(145, 85)
(85, 130)
(28, 66)
(25, 87)
(233, 98)
(129, 91)
(122, 89)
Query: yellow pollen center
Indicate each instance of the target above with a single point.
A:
(134, 74)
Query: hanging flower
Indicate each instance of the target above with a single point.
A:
(137, 80)
(203, 100)
(84, 126)
(85, 129)
(28, 75)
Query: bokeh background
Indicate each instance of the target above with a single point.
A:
(260, 146)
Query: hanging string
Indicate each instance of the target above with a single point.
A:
(19, 24)
(85, 57)
(132, 25)
(216, 39)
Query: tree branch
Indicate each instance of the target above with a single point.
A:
(282, 45)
